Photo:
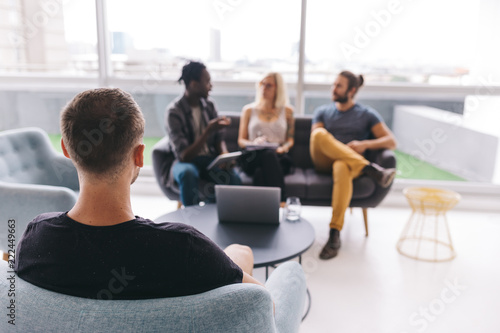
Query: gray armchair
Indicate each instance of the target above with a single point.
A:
(34, 179)
(234, 308)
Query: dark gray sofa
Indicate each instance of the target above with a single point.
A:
(311, 187)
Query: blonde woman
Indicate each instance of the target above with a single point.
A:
(268, 122)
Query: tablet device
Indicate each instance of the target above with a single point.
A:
(223, 158)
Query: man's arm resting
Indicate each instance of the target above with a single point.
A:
(242, 256)
(247, 278)
(384, 139)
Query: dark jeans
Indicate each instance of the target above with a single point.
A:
(188, 176)
(267, 167)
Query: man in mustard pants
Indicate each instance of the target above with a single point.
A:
(341, 132)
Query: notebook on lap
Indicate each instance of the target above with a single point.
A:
(248, 204)
(260, 146)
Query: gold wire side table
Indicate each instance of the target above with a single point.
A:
(426, 235)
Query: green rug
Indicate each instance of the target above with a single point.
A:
(410, 167)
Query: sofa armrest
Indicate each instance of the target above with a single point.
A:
(287, 286)
(383, 157)
(387, 159)
(22, 202)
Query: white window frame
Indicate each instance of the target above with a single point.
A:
(299, 90)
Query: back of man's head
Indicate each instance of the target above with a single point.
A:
(100, 128)
(191, 72)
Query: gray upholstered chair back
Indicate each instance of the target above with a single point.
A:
(27, 157)
(234, 308)
(34, 179)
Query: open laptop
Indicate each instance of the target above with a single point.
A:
(248, 204)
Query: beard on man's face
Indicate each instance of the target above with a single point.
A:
(340, 98)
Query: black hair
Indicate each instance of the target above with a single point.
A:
(191, 71)
(354, 81)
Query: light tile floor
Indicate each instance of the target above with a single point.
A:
(370, 287)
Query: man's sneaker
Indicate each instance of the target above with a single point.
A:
(332, 246)
(382, 176)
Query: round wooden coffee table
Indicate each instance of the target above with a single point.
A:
(270, 244)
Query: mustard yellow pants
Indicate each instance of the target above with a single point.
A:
(330, 155)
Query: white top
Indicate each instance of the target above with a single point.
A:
(275, 131)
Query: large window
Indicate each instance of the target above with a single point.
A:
(426, 41)
(425, 52)
(434, 42)
(239, 40)
(48, 36)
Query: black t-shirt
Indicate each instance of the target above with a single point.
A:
(136, 259)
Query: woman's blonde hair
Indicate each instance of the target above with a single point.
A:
(281, 96)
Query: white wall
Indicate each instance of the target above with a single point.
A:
(444, 140)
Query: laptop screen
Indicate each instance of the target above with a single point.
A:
(248, 204)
